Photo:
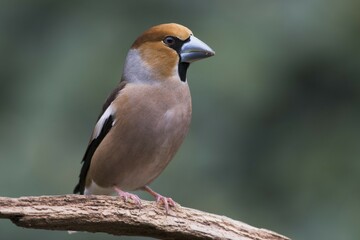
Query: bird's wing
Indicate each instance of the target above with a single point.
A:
(102, 127)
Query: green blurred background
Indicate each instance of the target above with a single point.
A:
(275, 136)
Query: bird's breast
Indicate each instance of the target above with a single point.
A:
(151, 123)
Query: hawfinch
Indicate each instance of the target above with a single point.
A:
(146, 117)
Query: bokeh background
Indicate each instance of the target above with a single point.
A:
(275, 136)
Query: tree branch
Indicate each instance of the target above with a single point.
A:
(113, 216)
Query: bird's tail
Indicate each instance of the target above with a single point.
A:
(77, 189)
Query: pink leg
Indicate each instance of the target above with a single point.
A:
(161, 199)
(126, 196)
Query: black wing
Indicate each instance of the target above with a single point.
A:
(95, 142)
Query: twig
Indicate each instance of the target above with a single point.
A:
(112, 215)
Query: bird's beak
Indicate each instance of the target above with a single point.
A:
(194, 50)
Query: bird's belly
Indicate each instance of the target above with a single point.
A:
(142, 150)
(152, 154)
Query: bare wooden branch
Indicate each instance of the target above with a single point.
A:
(113, 216)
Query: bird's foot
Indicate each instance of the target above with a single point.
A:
(128, 196)
(166, 201)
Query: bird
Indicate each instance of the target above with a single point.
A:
(146, 117)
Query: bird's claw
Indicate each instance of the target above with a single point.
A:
(128, 196)
(166, 201)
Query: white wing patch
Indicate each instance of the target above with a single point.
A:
(99, 125)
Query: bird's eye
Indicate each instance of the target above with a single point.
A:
(169, 41)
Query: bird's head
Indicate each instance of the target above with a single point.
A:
(164, 51)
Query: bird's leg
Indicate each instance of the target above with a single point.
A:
(126, 196)
(160, 199)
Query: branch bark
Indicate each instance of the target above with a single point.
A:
(113, 216)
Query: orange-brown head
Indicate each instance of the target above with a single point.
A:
(164, 51)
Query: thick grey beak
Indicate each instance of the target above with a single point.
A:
(194, 50)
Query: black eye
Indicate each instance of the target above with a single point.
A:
(169, 41)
